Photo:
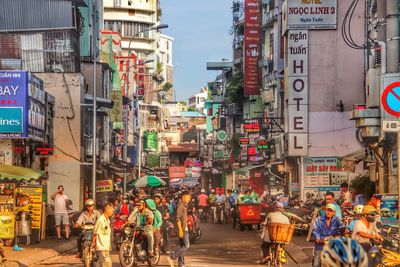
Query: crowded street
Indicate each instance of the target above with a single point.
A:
(200, 133)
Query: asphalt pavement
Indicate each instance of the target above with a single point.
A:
(220, 245)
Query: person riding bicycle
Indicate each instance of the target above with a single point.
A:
(145, 218)
(273, 217)
(89, 216)
(343, 252)
(325, 226)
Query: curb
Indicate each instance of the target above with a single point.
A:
(297, 254)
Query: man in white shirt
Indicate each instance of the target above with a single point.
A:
(345, 195)
(102, 236)
(60, 211)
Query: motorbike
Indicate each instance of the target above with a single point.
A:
(88, 257)
(219, 212)
(118, 231)
(385, 253)
(133, 249)
(194, 228)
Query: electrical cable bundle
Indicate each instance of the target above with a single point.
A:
(346, 28)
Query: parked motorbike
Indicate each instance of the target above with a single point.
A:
(133, 249)
(119, 231)
(88, 257)
(194, 228)
(220, 212)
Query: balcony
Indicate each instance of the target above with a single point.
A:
(269, 18)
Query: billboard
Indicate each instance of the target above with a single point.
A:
(251, 47)
(389, 209)
(320, 14)
(14, 104)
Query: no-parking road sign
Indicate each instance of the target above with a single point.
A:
(391, 99)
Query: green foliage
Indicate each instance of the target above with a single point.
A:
(235, 88)
(191, 109)
(183, 103)
(363, 185)
(160, 68)
(152, 160)
(167, 86)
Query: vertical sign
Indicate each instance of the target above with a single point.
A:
(251, 47)
(298, 92)
(140, 76)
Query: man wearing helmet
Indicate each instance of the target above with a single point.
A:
(212, 197)
(144, 217)
(343, 252)
(364, 229)
(89, 216)
(203, 204)
(326, 225)
(357, 216)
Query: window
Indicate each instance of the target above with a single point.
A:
(113, 25)
(117, 3)
(167, 58)
(133, 28)
(167, 44)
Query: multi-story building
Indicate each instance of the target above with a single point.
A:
(165, 53)
(196, 102)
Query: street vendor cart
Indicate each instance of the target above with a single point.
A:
(248, 214)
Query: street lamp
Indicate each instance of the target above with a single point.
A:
(125, 151)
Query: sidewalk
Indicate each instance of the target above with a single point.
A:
(38, 252)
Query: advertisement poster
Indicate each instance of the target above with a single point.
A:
(389, 209)
(184, 182)
(177, 172)
(30, 199)
(251, 47)
(103, 186)
(7, 223)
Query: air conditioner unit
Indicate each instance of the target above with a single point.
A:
(372, 88)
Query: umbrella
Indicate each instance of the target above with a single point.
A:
(149, 181)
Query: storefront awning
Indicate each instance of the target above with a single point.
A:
(247, 169)
(9, 173)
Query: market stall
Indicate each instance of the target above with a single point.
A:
(22, 203)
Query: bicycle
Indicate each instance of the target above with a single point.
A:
(276, 256)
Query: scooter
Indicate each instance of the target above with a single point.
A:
(220, 213)
(194, 228)
(118, 231)
(88, 257)
(133, 249)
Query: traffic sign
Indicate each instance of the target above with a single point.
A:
(391, 99)
(390, 126)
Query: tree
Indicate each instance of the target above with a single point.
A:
(363, 185)
(167, 86)
(235, 88)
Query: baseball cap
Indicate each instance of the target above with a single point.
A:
(331, 207)
(279, 205)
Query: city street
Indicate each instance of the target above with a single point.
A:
(220, 246)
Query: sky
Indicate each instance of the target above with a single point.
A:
(201, 31)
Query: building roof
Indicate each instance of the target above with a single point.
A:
(184, 147)
(191, 114)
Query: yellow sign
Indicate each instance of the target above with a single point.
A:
(104, 186)
(7, 225)
(29, 199)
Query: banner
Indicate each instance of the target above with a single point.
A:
(251, 47)
(104, 186)
(177, 172)
(30, 199)
(389, 209)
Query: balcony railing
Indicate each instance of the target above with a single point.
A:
(270, 17)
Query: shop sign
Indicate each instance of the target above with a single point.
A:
(177, 172)
(262, 144)
(251, 151)
(311, 14)
(151, 141)
(244, 141)
(313, 166)
(298, 93)
(389, 209)
(103, 186)
(251, 126)
(222, 136)
(219, 154)
(29, 199)
(161, 172)
(140, 80)
(251, 47)
(44, 150)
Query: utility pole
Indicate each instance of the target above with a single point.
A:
(94, 47)
(392, 46)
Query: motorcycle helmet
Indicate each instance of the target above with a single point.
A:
(89, 202)
(212, 191)
(158, 195)
(368, 209)
(358, 209)
(343, 252)
(203, 191)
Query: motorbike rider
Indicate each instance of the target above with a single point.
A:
(142, 216)
(330, 199)
(89, 215)
(357, 216)
(123, 210)
(364, 229)
(220, 199)
(203, 203)
(211, 197)
(345, 195)
(157, 222)
(273, 217)
(325, 225)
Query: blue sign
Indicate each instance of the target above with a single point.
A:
(14, 87)
(389, 209)
(11, 120)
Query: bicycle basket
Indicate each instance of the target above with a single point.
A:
(281, 233)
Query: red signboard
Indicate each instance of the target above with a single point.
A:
(251, 151)
(177, 172)
(251, 126)
(244, 141)
(251, 47)
(140, 80)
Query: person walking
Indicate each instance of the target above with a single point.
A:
(60, 211)
(102, 236)
(181, 221)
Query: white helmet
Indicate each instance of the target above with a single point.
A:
(344, 252)
(358, 209)
(212, 191)
(202, 191)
